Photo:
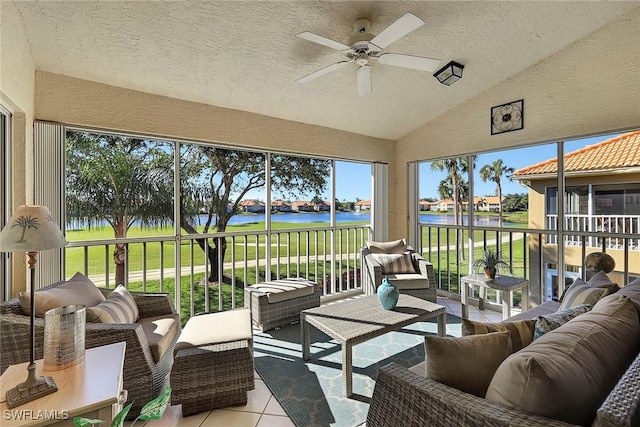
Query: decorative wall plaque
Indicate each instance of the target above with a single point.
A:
(507, 117)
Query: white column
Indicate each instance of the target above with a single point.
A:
(380, 201)
(49, 190)
(413, 206)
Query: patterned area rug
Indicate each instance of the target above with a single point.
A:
(311, 392)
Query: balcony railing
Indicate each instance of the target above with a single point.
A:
(328, 256)
(610, 224)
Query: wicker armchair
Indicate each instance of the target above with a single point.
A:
(420, 284)
(143, 377)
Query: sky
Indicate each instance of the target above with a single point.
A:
(353, 179)
(515, 158)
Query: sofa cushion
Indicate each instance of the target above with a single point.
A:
(160, 332)
(392, 247)
(466, 363)
(631, 290)
(521, 330)
(581, 293)
(546, 307)
(120, 307)
(567, 373)
(549, 322)
(77, 290)
(601, 280)
(395, 263)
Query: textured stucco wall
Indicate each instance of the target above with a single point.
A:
(591, 87)
(17, 76)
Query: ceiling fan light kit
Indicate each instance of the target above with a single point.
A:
(450, 73)
(364, 47)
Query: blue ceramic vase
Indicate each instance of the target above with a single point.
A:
(388, 294)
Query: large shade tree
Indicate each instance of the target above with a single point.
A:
(494, 172)
(220, 179)
(114, 180)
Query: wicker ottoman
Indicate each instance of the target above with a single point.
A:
(280, 302)
(213, 365)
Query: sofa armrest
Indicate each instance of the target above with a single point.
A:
(404, 398)
(138, 356)
(622, 406)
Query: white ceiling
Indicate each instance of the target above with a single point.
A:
(244, 54)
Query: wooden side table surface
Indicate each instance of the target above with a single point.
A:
(92, 389)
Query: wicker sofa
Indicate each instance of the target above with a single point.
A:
(405, 397)
(145, 368)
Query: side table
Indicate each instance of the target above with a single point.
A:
(91, 389)
(505, 284)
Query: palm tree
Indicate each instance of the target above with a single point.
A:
(114, 180)
(494, 172)
(456, 167)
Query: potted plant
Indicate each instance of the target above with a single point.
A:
(491, 261)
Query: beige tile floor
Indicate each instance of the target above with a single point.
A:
(262, 409)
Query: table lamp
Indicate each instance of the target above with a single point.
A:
(31, 229)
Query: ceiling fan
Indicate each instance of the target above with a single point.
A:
(364, 47)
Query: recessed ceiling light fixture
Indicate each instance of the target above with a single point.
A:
(450, 73)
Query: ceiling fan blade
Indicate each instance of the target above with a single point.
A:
(400, 28)
(323, 41)
(363, 77)
(409, 61)
(322, 71)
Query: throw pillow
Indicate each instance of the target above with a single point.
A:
(581, 293)
(77, 290)
(393, 247)
(632, 290)
(395, 263)
(548, 322)
(601, 280)
(120, 307)
(521, 330)
(567, 375)
(466, 363)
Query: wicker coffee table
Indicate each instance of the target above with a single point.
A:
(357, 320)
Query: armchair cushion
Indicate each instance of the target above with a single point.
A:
(77, 290)
(395, 263)
(393, 247)
(160, 332)
(120, 307)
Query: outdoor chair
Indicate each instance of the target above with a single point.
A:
(405, 268)
(149, 340)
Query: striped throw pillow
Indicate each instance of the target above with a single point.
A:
(395, 263)
(521, 330)
(582, 293)
(120, 307)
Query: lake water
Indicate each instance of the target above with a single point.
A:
(325, 217)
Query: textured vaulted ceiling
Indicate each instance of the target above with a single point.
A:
(244, 54)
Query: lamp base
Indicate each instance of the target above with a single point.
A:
(33, 388)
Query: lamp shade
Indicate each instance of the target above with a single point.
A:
(31, 229)
(450, 73)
